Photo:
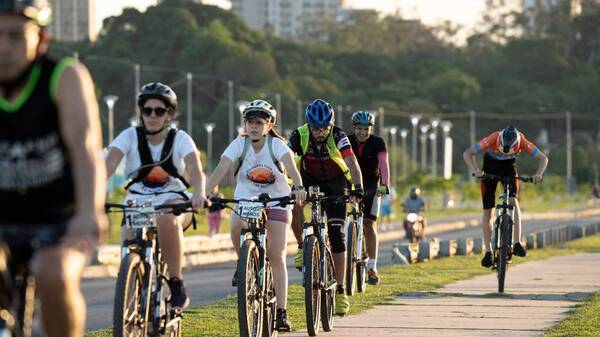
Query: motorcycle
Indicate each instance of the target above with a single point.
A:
(415, 227)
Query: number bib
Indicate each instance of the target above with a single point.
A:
(145, 217)
(250, 210)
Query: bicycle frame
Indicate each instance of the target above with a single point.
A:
(501, 209)
(357, 213)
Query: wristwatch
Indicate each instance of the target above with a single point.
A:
(297, 188)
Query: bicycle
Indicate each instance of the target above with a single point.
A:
(356, 251)
(502, 234)
(141, 306)
(17, 285)
(257, 304)
(317, 265)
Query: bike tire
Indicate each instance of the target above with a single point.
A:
(361, 269)
(270, 305)
(328, 296)
(250, 308)
(351, 258)
(312, 284)
(129, 298)
(504, 251)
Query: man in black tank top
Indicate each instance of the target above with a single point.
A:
(51, 166)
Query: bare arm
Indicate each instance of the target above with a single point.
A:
(292, 171)
(354, 170)
(218, 173)
(194, 169)
(113, 159)
(542, 164)
(80, 128)
(469, 158)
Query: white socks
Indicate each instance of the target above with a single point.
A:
(372, 264)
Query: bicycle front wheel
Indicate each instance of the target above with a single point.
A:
(249, 294)
(351, 258)
(312, 284)
(361, 268)
(328, 296)
(130, 316)
(504, 251)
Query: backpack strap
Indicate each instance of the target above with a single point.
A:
(243, 155)
(166, 157)
(275, 161)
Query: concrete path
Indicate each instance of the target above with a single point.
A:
(537, 295)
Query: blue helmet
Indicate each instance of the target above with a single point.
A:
(363, 118)
(319, 114)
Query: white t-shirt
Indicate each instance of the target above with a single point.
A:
(158, 181)
(258, 173)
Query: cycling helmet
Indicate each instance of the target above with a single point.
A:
(509, 140)
(320, 114)
(36, 10)
(415, 192)
(260, 108)
(363, 118)
(159, 91)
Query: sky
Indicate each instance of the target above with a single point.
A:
(464, 12)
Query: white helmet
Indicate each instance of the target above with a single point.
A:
(260, 108)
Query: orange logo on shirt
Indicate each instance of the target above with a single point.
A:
(261, 175)
(157, 177)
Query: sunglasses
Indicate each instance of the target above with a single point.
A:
(158, 112)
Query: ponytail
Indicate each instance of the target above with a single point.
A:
(274, 134)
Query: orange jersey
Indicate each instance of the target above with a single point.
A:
(487, 145)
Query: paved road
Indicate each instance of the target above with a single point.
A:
(207, 284)
(539, 294)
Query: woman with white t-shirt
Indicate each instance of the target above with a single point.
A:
(257, 174)
(156, 158)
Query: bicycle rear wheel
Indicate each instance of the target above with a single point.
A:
(270, 304)
(328, 296)
(249, 294)
(504, 251)
(130, 316)
(351, 259)
(312, 284)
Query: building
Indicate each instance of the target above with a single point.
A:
(73, 20)
(289, 18)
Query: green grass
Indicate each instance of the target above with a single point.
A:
(584, 321)
(220, 318)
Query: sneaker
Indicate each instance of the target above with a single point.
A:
(179, 297)
(282, 324)
(234, 280)
(487, 262)
(373, 277)
(519, 250)
(342, 304)
(298, 259)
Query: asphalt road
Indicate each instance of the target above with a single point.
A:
(207, 284)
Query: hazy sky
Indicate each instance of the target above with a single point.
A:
(466, 12)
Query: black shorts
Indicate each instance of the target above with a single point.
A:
(371, 203)
(504, 168)
(334, 187)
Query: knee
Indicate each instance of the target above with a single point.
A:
(336, 238)
(55, 275)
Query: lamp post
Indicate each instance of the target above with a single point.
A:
(447, 171)
(414, 120)
(424, 128)
(393, 132)
(209, 129)
(110, 101)
(435, 122)
(404, 134)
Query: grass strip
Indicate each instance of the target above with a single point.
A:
(583, 322)
(220, 318)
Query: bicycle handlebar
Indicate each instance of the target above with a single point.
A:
(176, 209)
(263, 198)
(489, 176)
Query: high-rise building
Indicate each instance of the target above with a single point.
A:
(73, 20)
(290, 18)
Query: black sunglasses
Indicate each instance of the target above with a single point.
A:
(159, 112)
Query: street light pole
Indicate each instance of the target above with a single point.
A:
(569, 145)
(403, 134)
(136, 84)
(435, 122)
(414, 120)
(424, 128)
(230, 95)
(393, 132)
(279, 112)
(209, 129)
(110, 101)
(189, 103)
(472, 126)
(299, 112)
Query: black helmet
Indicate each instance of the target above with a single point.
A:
(159, 91)
(36, 10)
(509, 140)
(415, 192)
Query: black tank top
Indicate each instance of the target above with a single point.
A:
(36, 180)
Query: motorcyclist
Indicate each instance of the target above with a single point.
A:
(414, 204)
